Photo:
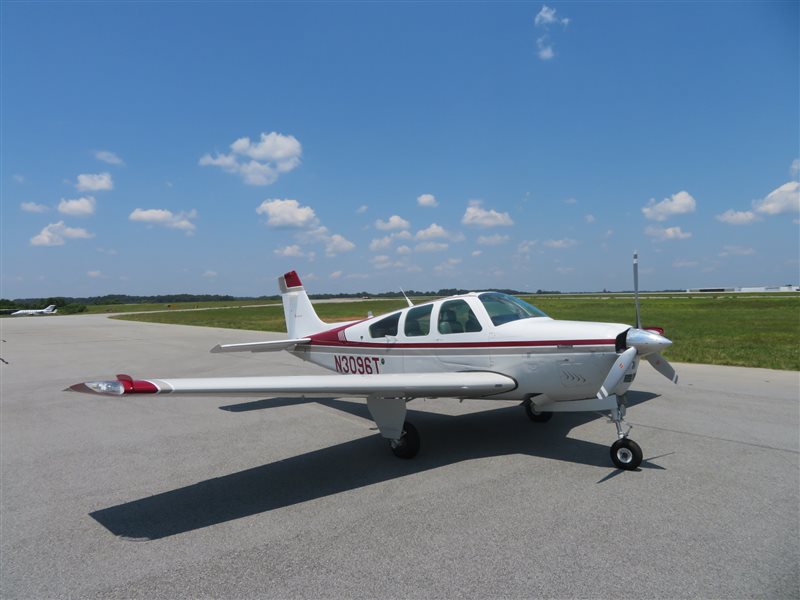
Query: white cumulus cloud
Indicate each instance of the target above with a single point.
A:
(544, 48)
(492, 240)
(428, 200)
(394, 222)
(336, 244)
(677, 204)
(785, 199)
(662, 234)
(94, 182)
(108, 157)
(286, 213)
(94, 274)
(260, 162)
(32, 207)
(560, 244)
(547, 16)
(432, 232)
(738, 217)
(292, 250)
(543, 20)
(477, 216)
(165, 218)
(54, 234)
(79, 207)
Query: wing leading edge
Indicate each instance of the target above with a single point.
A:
(260, 346)
(472, 384)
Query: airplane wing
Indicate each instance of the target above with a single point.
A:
(260, 346)
(471, 384)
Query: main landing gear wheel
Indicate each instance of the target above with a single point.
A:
(536, 416)
(626, 454)
(408, 444)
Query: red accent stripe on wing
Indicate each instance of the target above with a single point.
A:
(136, 387)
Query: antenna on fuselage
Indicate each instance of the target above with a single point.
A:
(410, 303)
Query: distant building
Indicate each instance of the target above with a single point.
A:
(749, 290)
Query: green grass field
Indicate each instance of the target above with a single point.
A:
(740, 330)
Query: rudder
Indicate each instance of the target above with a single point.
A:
(301, 318)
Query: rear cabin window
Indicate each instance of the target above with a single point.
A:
(384, 327)
(418, 321)
(455, 316)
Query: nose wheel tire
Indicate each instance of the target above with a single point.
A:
(408, 444)
(626, 454)
(536, 416)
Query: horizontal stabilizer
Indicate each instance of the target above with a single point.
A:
(473, 384)
(260, 346)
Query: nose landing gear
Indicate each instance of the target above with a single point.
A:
(625, 453)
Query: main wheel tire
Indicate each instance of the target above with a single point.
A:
(626, 454)
(536, 416)
(408, 444)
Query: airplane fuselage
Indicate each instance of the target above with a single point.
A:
(557, 360)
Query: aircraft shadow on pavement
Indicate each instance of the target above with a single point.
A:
(446, 440)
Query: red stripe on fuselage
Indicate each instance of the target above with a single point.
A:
(319, 340)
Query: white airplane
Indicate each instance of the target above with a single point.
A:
(485, 345)
(50, 310)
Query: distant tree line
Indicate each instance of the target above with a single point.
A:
(62, 302)
(67, 304)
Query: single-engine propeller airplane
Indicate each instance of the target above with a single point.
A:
(484, 345)
(50, 310)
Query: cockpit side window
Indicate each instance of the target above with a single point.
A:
(503, 308)
(384, 327)
(418, 321)
(455, 316)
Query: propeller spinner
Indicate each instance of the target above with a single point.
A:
(636, 341)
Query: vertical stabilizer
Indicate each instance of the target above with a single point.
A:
(301, 318)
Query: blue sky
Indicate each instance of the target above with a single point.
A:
(209, 147)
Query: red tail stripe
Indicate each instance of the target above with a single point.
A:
(292, 279)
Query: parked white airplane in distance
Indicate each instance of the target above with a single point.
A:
(485, 345)
(50, 310)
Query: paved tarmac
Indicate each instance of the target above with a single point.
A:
(180, 497)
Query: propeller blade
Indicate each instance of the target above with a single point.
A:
(617, 372)
(662, 365)
(636, 288)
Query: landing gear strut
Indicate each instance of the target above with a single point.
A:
(534, 415)
(408, 444)
(625, 453)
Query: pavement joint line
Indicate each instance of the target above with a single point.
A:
(713, 437)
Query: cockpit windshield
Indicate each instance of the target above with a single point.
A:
(503, 308)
